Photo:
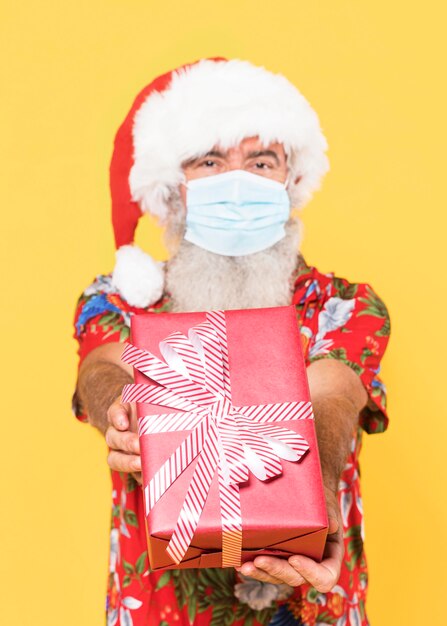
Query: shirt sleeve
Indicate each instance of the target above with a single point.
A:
(354, 327)
(99, 318)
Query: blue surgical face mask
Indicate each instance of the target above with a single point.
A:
(236, 213)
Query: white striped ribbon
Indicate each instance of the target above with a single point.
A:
(195, 381)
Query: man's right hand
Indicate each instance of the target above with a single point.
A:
(122, 438)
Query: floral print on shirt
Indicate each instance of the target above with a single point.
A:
(337, 319)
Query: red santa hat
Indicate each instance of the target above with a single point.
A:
(183, 114)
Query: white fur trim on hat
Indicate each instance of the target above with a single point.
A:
(138, 278)
(220, 103)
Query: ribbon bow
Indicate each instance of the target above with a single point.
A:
(194, 380)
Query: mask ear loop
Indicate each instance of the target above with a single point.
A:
(293, 211)
(183, 180)
(288, 163)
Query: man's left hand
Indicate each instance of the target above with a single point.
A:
(299, 569)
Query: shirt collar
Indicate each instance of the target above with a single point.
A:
(309, 283)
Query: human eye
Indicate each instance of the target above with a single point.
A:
(208, 163)
(262, 165)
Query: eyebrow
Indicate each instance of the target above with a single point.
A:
(221, 155)
(211, 153)
(261, 153)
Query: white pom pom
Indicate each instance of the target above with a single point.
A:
(138, 278)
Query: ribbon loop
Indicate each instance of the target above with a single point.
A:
(181, 356)
(213, 357)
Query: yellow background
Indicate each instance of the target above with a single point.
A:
(375, 73)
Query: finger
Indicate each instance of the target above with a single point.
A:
(126, 441)
(280, 569)
(323, 576)
(118, 415)
(122, 462)
(249, 569)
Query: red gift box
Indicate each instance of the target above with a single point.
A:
(244, 373)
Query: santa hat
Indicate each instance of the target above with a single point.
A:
(183, 114)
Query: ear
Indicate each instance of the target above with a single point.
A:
(182, 194)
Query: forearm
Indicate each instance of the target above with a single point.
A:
(335, 422)
(99, 384)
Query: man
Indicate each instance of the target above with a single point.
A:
(220, 151)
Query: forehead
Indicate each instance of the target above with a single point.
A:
(252, 144)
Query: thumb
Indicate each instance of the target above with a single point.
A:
(118, 414)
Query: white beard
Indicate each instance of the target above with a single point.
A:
(198, 280)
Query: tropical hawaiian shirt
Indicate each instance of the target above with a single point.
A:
(338, 320)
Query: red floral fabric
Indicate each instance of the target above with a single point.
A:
(337, 319)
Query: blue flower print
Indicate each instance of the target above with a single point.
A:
(94, 306)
